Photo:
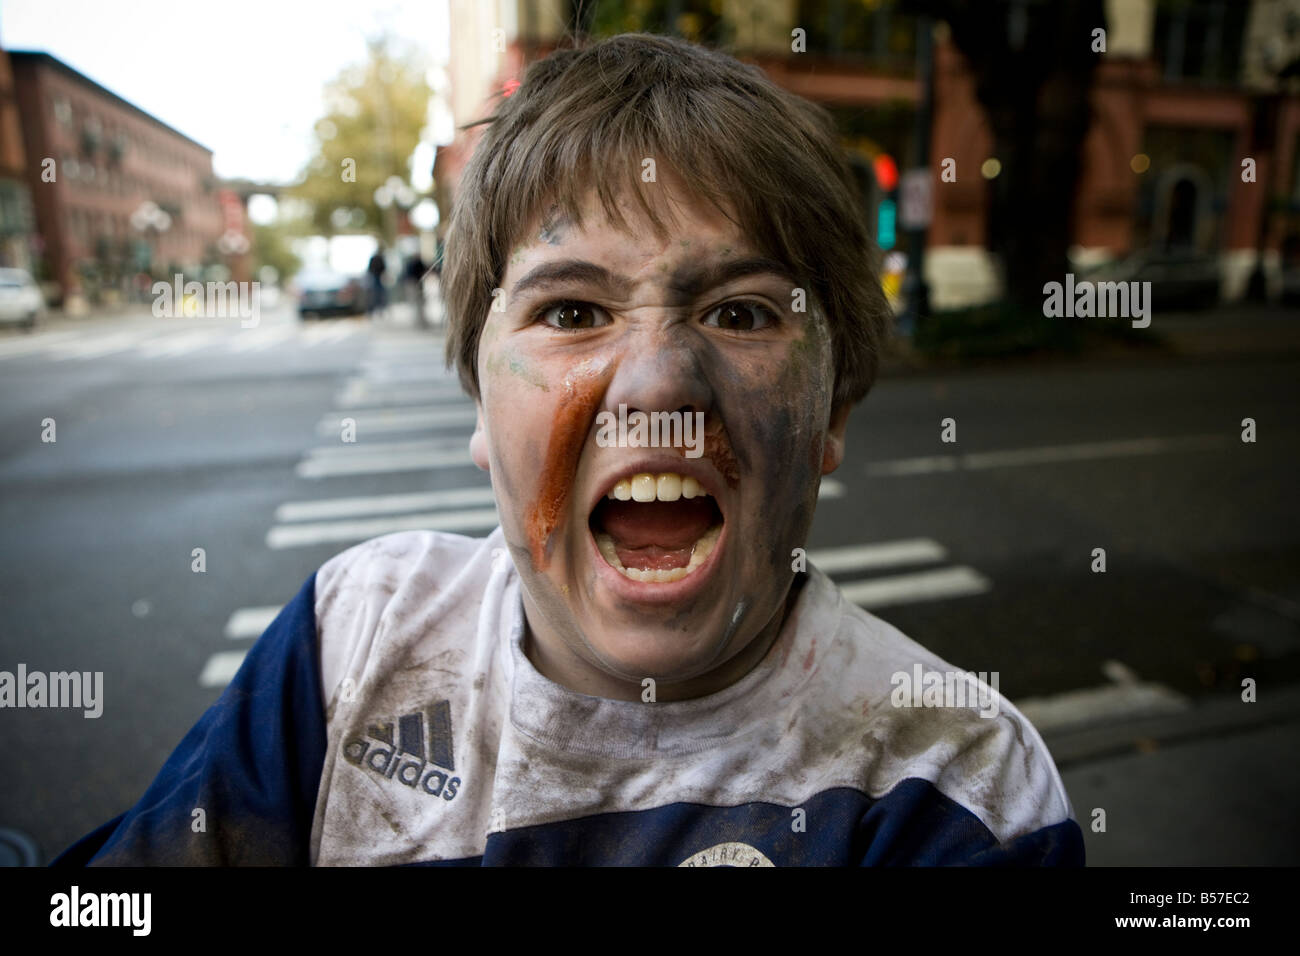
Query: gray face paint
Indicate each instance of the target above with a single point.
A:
(735, 621)
(554, 227)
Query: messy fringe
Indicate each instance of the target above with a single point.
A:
(767, 160)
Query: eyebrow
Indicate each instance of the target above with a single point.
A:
(687, 282)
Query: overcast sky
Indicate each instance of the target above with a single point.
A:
(242, 77)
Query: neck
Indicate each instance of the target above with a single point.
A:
(559, 661)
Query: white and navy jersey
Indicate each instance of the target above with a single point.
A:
(389, 715)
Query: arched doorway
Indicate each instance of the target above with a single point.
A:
(1183, 219)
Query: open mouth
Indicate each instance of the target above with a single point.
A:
(656, 527)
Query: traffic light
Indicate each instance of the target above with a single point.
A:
(886, 171)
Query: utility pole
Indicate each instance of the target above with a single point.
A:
(915, 216)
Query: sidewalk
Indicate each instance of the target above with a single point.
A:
(1215, 786)
(1237, 330)
(1228, 332)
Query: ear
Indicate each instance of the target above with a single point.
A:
(833, 449)
(478, 442)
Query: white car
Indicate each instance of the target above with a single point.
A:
(20, 298)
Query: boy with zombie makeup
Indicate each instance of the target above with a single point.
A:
(634, 667)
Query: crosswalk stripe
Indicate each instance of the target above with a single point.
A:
(1045, 454)
(178, 344)
(250, 621)
(920, 586)
(382, 504)
(325, 334)
(100, 345)
(403, 396)
(830, 488)
(301, 535)
(221, 668)
(867, 557)
(33, 343)
(255, 340)
(1095, 705)
(407, 419)
(361, 449)
(422, 374)
(333, 465)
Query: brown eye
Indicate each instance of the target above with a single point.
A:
(571, 315)
(740, 317)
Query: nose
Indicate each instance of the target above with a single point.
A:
(660, 371)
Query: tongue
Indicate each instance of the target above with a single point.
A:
(656, 535)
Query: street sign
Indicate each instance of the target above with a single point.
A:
(915, 200)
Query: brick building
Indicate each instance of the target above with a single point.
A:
(16, 226)
(116, 192)
(1185, 91)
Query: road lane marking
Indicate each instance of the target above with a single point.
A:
(250, 621)
(830, 488)
(257, 340)
(361, 449)
(1111, 703)
(407, 419)
(221, 668)
(1042, 455)
(303, 535)
(325, 334)
(179, 343)
(100, 345)
(33, 343)
(866, 557)
(895, 589)
(334, 465)
(333, 508)
(405, 395)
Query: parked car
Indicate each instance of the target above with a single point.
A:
(1180, 279)
(322, 291)
(20, 299)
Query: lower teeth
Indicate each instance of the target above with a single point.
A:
(699, 554)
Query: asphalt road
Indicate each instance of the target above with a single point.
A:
(173, 435)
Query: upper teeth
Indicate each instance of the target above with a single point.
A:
(663, 487)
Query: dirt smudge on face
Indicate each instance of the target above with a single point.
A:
(583, 388)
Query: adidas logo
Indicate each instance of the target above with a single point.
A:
(405, 759)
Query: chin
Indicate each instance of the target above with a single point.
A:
(658, 653)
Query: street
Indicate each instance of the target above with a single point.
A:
(173, 435)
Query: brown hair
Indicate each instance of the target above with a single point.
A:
(585, 118)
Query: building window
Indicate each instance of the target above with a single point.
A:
(874, 31)
(699, 21)
(62, 111)
(1199, 41)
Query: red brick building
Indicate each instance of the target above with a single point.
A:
(116, 191)
(1186, 90)
(16, 226)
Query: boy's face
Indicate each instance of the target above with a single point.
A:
(594, 319)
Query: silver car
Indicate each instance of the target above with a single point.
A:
(20, 298)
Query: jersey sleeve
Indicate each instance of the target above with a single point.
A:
(252, 765)
(916, 825)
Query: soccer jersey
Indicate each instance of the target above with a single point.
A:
(390, 715)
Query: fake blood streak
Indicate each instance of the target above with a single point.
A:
(582, 391)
